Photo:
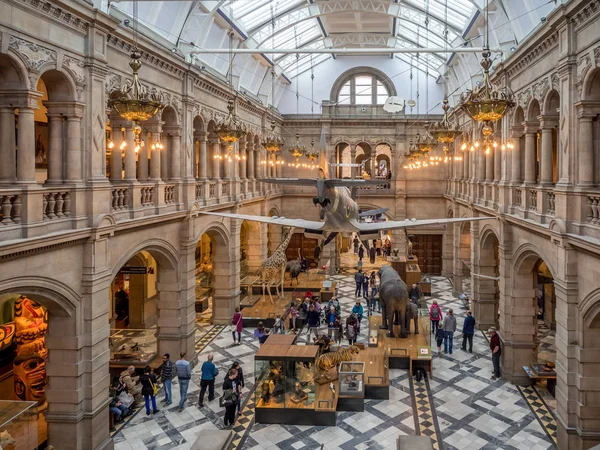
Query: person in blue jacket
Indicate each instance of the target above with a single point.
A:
(468, 331)
(331, 325)
(357, 309)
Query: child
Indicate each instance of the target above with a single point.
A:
(351, 329)
(293, 316)
(439, 337)
(278, 325)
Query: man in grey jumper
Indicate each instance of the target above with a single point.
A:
(449, 327)
(184, 373)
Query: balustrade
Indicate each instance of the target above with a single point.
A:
(533, 200)
(225, 188)
(496, 197)
(120, 198)
(147, 196)
(169, 194)
(551, 208)
(56, 205)
(199, 191)
(212, 190)
(518, 197)
(10, 209)
(593, 212)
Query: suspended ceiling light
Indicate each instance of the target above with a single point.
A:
(297, 150)
(312, 154)
(444, 132)
(230, 131)
(426, 142)
(272, 143)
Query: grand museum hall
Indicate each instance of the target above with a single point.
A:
(299, 224)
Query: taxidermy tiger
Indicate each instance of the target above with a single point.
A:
(333, 359)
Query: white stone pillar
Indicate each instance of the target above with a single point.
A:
(7, 145)
(228, 165)
(55, 148)
(26, 146)
(585, 151)
(164, 158)
(143, 159)
(130, 172)
(73, 150)
(489, 165)
(116, 156)
(250, 163)
(516, 134)
(155, 157)
(466, 157)
(497, 164)
(175, 155)
(481, 162)
(546, 154)
(216, 174)
(202, 161)
(244, 161)
(530, 154)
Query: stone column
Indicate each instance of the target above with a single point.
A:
(489, 164)
(26, 146)
(55, 148)
(250, 164)
(244, 161)
(74, 172)
(216, 174)
(585, 151)
(353, 170)
(227, 280)
(466, 157)
(116, 155)
(164, 157)
(155, 157)
(202, 161)
(130, 170)
(547, 125)
(457, 264)
(175, 154)
(7, 145)
(530, 153)
(498, 164)
(143, 158)
(481, 161)
(516, 134)
(227, 165)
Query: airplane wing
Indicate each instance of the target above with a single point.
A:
(292, 181)
(395, 224)
(296, 223)
(335, 182)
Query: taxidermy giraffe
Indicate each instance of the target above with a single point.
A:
(272, 270)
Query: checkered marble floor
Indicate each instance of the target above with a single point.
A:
(468, 409)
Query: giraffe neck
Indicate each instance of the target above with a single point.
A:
(284, 244)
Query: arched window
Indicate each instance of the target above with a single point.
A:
(363, 89)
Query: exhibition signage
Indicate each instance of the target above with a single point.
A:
(134, 270)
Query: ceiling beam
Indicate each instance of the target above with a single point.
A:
(343, 51)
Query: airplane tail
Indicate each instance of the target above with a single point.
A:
(323, 155)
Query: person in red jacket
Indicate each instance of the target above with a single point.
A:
(237, 325)
(435, 315)
(496, 352)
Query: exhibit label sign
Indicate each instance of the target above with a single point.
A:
(134, 270)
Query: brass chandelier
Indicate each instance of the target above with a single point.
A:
(272, 142)
(312, 155)
(444, 132)
(297, 151)
(230, 131)
(426, 142)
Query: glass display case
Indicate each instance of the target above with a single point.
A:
(132, 346)
(18, 425)
(351, 379)
(270, 383)
(300, 376)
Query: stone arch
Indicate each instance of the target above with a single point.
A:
(222, 270)
(518, 116)
(591, 85)
(362, 70)
(165, 254)
(59, 85)
(551, 103)
(533, 110)
(169, 116)
(383, 152)
(13, 73)
(590, 312)
(199, 139)
(488, 290)
(343, 155)
(522, 259)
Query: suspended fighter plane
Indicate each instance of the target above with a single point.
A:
(339, 212)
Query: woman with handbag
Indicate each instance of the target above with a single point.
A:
(236, 325)
(149, 389)
(231, 393)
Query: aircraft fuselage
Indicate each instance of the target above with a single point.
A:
(342, 213)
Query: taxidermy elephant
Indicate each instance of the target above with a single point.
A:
(412, 313)
(393, 296)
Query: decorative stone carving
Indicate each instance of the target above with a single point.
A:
(555, 81)
(35, 56)
(583, 65)
(597, 56)
(540, 89)
(113, 83)
(75, 68)
(524, 97)
(206, 114)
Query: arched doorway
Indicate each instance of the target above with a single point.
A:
(343, 156)
(363, 156)
(383, 160)
(487, 299)
(205, 277)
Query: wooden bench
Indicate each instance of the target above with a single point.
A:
(536, 372)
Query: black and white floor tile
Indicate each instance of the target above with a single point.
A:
(469, 410)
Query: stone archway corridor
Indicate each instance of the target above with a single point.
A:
(460, 407)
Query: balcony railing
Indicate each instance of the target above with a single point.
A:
(518, 199)
(551, 208)
(199, 191)
(169, 194)
(120, 199)
(212, 190)
(593, 203)
(56, 205)
(147, 196)
(533, 200)
(225, 188)
(10, 209)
